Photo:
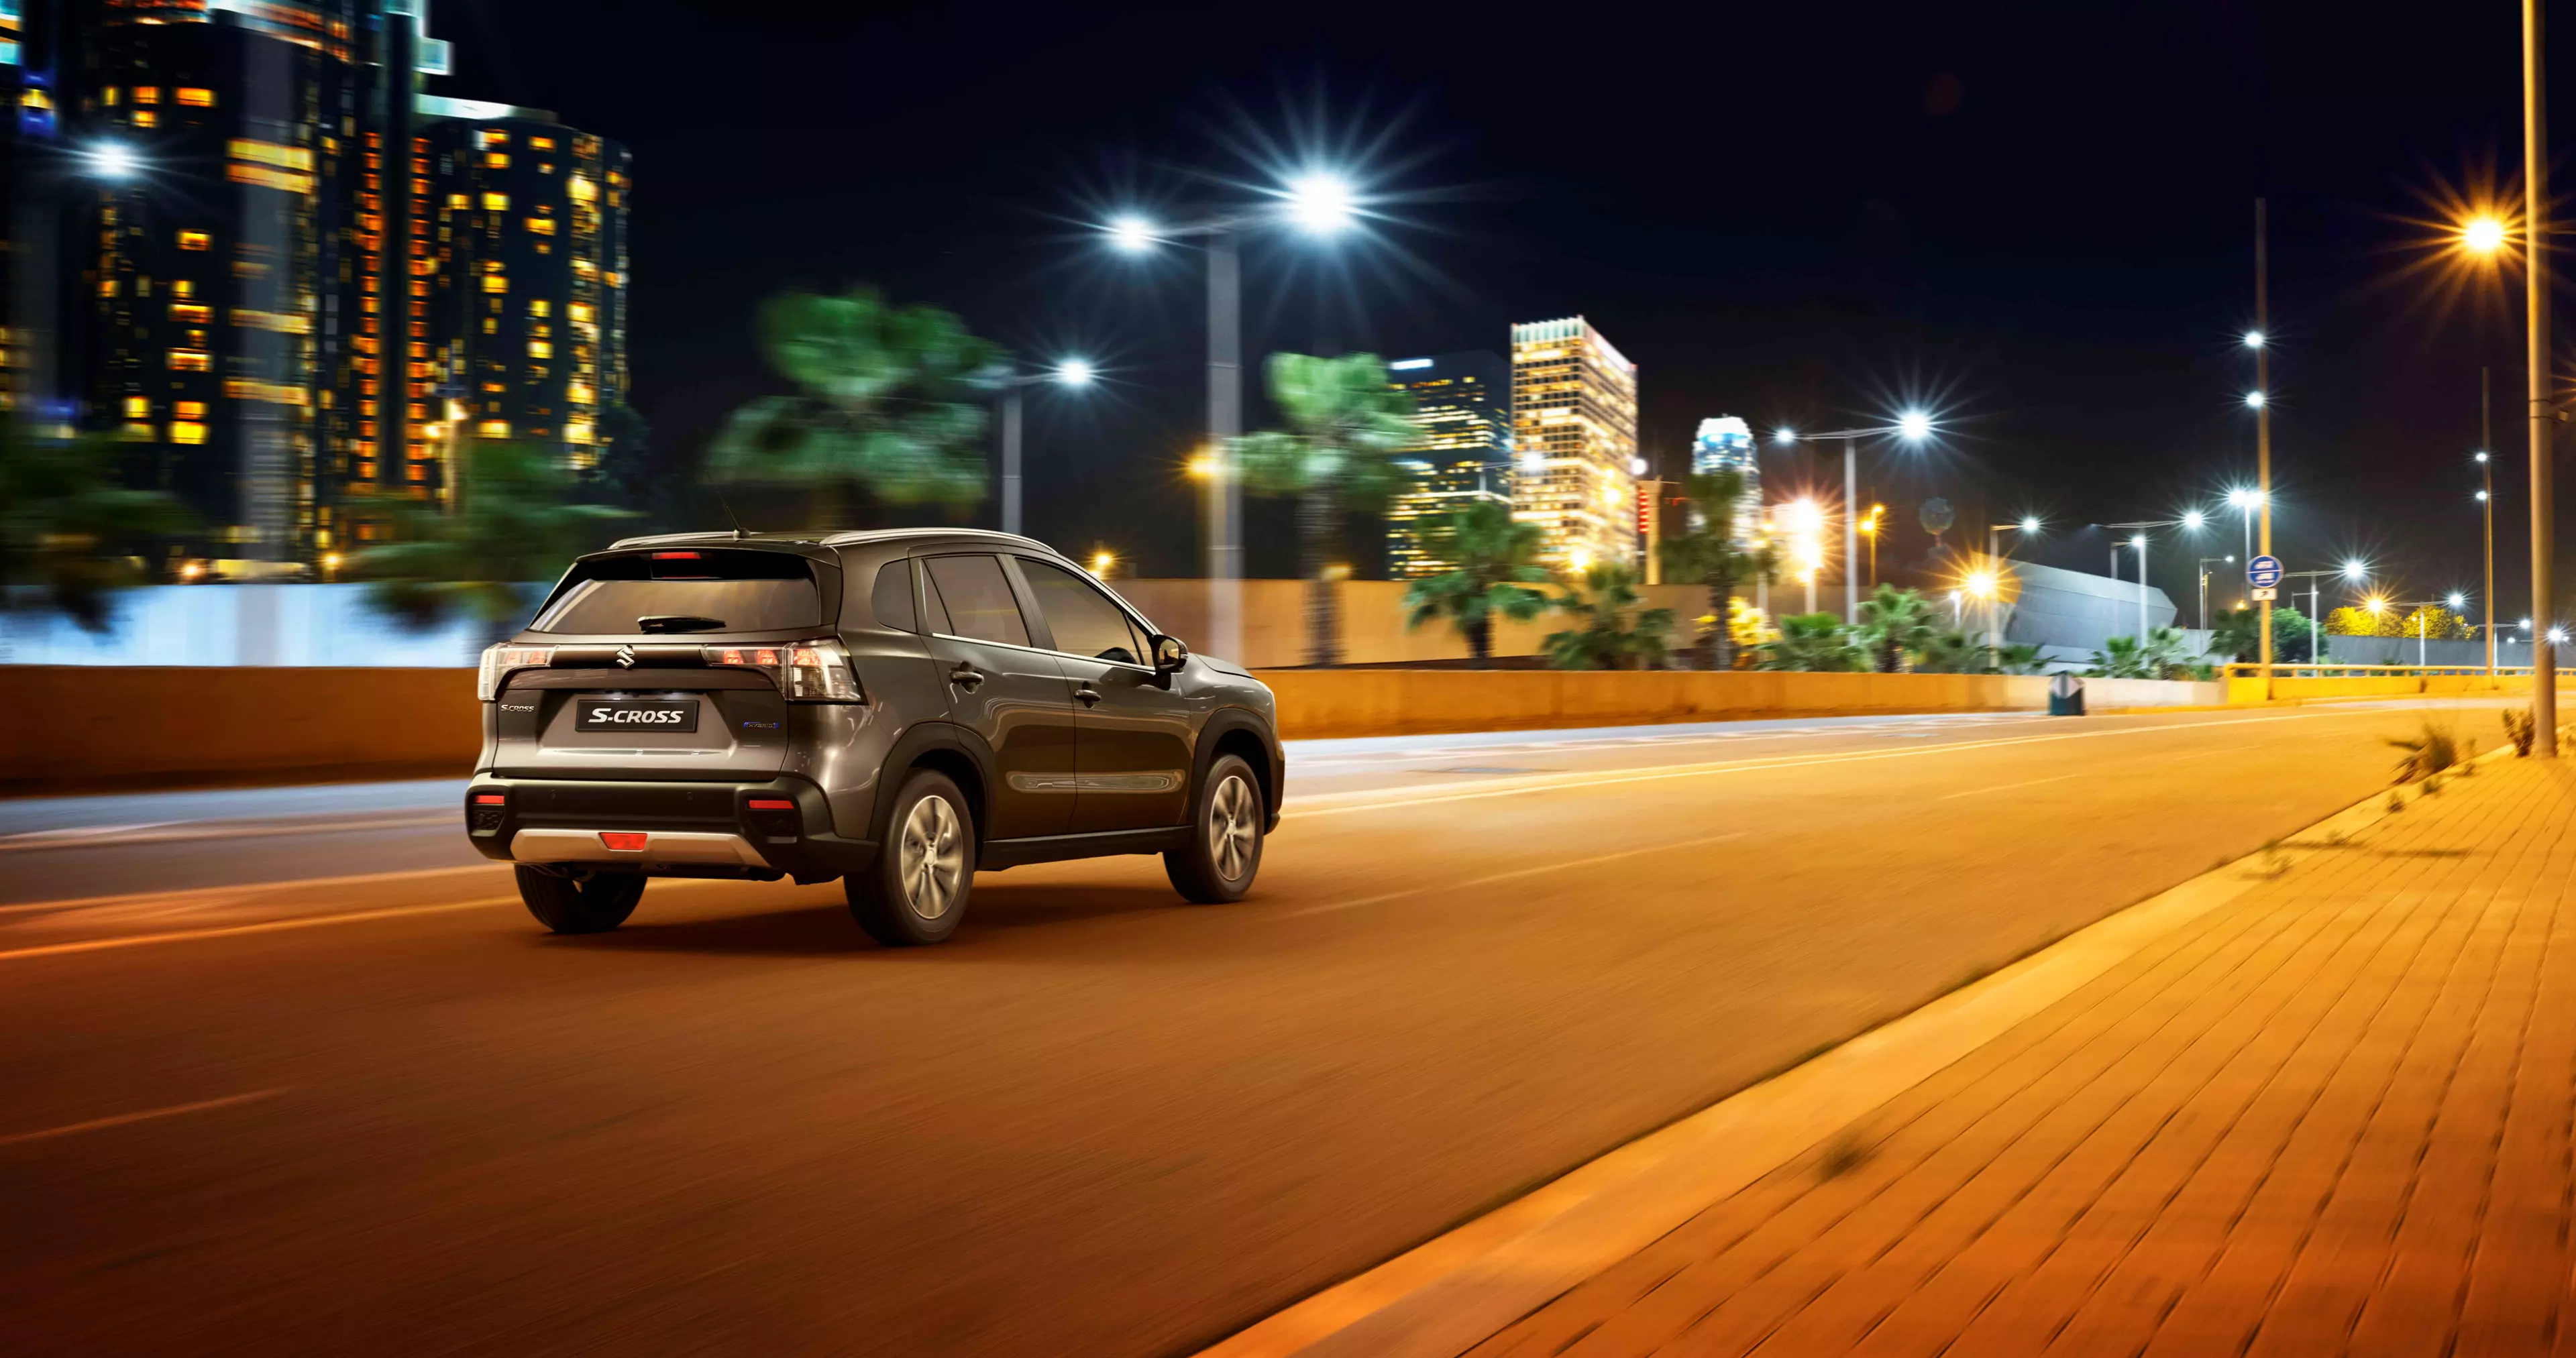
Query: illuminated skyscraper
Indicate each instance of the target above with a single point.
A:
(298, 264)
(1725, 443)
(1574, 429)
(1463, 404)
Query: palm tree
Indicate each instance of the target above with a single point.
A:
(1345, 423)
(2121, 658)
(1813, 642)
(2020, 657)
(1712, 553)
(1953, 651)
(1895, 623)
(1497, 562)
(1610, 637)
(882, 406)
(68, 532)
(514, 523)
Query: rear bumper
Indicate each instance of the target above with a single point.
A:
(765, 828)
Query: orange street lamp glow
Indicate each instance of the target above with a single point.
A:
(2482, 234)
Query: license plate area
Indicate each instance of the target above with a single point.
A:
(606, 712)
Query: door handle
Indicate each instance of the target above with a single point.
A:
(966, 677)
(1089, 697)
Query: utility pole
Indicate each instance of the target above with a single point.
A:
(2263, 415)
(2486, 500)
(2544, 517)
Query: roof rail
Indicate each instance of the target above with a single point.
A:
(882, 534)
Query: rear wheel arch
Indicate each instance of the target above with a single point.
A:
(948, 749)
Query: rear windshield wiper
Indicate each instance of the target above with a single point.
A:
(679, 622)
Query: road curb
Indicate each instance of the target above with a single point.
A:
(1443, 1297)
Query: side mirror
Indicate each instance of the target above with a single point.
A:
(1170, 653)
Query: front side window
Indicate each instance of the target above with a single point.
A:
(1082, 618)
(968, 597)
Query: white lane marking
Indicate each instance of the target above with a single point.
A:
(1512, 876)
(2006, 787)
(180, 832)
(241, 891)
(270, 926)
(148, 1114)
(1344, 803)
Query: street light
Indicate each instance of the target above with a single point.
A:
(1071, 372)
(2138, 542)
(1913, 426)
(1993, 594)
(2254, 399)
(2193, 519)
(2204, 585)
(2482, 234)
(2253, 339)
(111, 160)
(2245, 500)
(1318, 203)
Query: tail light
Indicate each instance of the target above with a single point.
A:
(806, 671)
(499, 661)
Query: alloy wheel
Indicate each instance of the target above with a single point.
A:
(931, 857)
(1232, 824)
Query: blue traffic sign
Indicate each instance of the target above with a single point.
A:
(2263, 572)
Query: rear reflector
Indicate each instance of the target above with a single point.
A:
(490, 799)
(771, 804)
(624, 841)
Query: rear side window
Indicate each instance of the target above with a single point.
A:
(1082, 618)
(969, 598)
(675, 592)
(892, 599)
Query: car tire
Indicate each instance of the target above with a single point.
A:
(1224, 850)
(575, 906)
(915, 893)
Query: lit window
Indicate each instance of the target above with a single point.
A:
(110, 96)
(188, 360)
(493, 282)
(579, 393)
(190, 410)
(581, 312)
(181, 287)
(542, 143)
(582, 190)
(37, 99)
(187, 431)
(138, 408)
(543, 226)
(147, 94)
(195, 240)
(541, 349)
(577, 431)
(491, 326)
(459, 201)
(539, 306)
(498, 160)
(496, 202)
(493, 136)
(191, 313)
(196, 98)
(493, 429)
(144, 117)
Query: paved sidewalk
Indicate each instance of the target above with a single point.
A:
(2330, 1116)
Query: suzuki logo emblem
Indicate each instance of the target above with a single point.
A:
(625, 657)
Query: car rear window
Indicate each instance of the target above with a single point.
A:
(682, 592)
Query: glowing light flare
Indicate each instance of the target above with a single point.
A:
(1979, 584)
(2253, 339)
(2193, 519)
(2244, 497)
(1075, 372)
(1785, 437)
(1204, 467)
(2375, 604)
(2482, 234)
(1321, 203)
(1101, 562)
(110, 160)
(2030, 524)
(2455, 600)
(2254, 399)
(1914, 426)
(1131, 233)
(2354, 570)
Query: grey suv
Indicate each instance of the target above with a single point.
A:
(895, 709)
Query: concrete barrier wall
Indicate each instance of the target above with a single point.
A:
(91, 726)
(2375, 686)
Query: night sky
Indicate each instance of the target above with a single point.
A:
(2034, 218)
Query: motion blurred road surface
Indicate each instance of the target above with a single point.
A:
(291, 1071)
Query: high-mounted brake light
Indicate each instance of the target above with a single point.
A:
(499, 661)
(676, 556)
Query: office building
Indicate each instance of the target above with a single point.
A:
(294, 263)
(1463, 405)
(1574, 431)
(1725, 444)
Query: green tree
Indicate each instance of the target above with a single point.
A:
(2239, 634)
(1953, 651)
(2020, 657)
(626, 471)
(1345, 425)
(1497, 562)
(2121, 658)
(2165, 653)
(1710, 552)
(1615, 633)
(1812, 641)
(886, 407)
(1894, 624)
(68, 532)
(513, 523)
(2349, 621)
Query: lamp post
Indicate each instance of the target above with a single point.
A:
(1913, 426)
(1318, 204)
(1994, 594)
(2486, 502)
(1071, 372)
(2204, 585)
(2350, 570)
(2137, 542)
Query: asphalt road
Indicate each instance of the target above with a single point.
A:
(292, 1072)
